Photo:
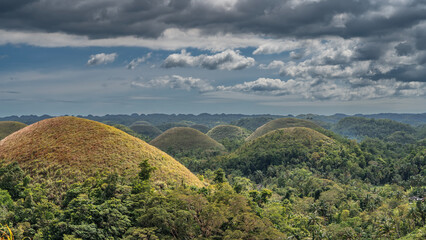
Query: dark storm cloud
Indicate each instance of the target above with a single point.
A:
(148, 18)
(12, 5)
(420, 36)
(404, 49)
(380, 23)
(370, 51)
(410, 73)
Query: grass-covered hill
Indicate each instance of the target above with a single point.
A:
(70, 149)
(146, 129)
(8, 127)
(293, 147)
(231, 132)
(200, 127)
(282, 123)
(359, 127)
(185, 139)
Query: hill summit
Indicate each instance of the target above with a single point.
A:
(221, 132)
(296, 147)
(282, 123)
(146, 129)
(184, 139)
(71, 149)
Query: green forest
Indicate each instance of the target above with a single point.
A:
(259, 177)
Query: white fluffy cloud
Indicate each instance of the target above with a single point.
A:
(226, 60)
(176, 82)
(101, 58)
(135, 62)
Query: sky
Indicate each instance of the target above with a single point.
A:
(200, 56)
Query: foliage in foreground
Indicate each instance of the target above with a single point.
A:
(108, 207)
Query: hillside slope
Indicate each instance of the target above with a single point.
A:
(359, 127)
(9, 127)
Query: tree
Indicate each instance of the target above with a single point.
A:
(146, 170)
(219, 176)
(11, 177)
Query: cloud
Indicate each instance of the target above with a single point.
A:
(337, 58)
(272, 26)
(264, 85)
(171, 39)
(404, 49)
(101, 58)
(135, 62)
(316, 89)
(97, 19)
(279, 47)
(176, 82)
(340, 49)
(226, 60)
(389, 36)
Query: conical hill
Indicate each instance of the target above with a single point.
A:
(282, 123)
(70, 149)
(231, 132)
(184, 139)
(295, 147)
(146, 129)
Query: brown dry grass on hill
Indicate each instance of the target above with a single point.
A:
(221, 132)
(70, 149)
(180, 139)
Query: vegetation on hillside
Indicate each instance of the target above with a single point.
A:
(421, 131)
(295, 147)
(9, 127)
(110, 207)
(359, 127)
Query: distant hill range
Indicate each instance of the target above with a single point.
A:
(211, 120)
(414, 119)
